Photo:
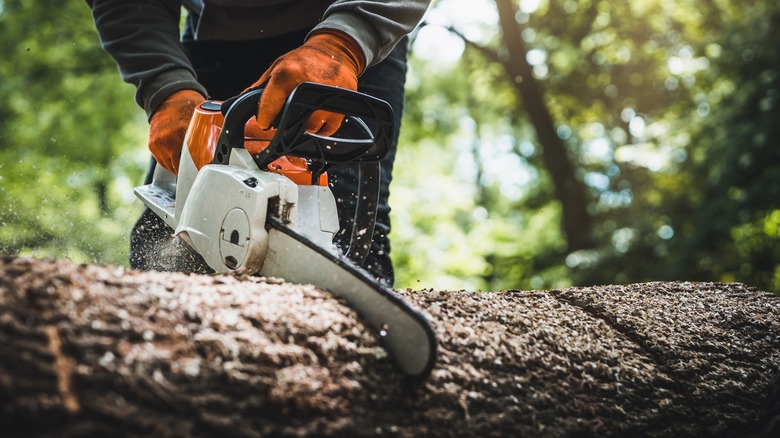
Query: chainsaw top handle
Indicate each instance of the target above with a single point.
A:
(363, 138)
(364, 135)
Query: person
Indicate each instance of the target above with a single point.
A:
(228, 46)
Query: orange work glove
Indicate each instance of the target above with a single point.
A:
(328, 57)
(169, 124)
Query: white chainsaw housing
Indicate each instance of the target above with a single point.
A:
(221, 210)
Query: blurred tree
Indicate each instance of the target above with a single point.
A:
(569, 190)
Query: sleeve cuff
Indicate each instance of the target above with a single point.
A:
(151, 94)
(361, 31)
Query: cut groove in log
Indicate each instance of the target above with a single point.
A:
(88, 350)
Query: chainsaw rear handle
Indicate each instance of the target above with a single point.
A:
(356, 141)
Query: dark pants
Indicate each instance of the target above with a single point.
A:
(227, 68)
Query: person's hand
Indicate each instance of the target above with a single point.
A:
(168, 126)
(327, 57)
(256, 139)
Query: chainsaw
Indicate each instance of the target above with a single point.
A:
(273, 214)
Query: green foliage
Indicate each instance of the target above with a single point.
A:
(757, 245)
(671, 110)
(713, 201)
(69, 137)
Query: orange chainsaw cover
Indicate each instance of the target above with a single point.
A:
(201, 141)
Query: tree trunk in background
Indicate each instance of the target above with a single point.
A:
(99, 351)
(569, 190)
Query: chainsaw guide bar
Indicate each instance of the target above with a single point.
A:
(404, 332)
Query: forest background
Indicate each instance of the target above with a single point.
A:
(545, 143)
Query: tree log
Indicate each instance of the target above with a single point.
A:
(87, 350)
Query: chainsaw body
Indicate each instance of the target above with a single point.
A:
(225, 207)
(220, 201)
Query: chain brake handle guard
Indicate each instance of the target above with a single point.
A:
(357, 142)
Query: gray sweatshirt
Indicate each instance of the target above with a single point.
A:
(143, 36)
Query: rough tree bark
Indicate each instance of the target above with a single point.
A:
(88, 350)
